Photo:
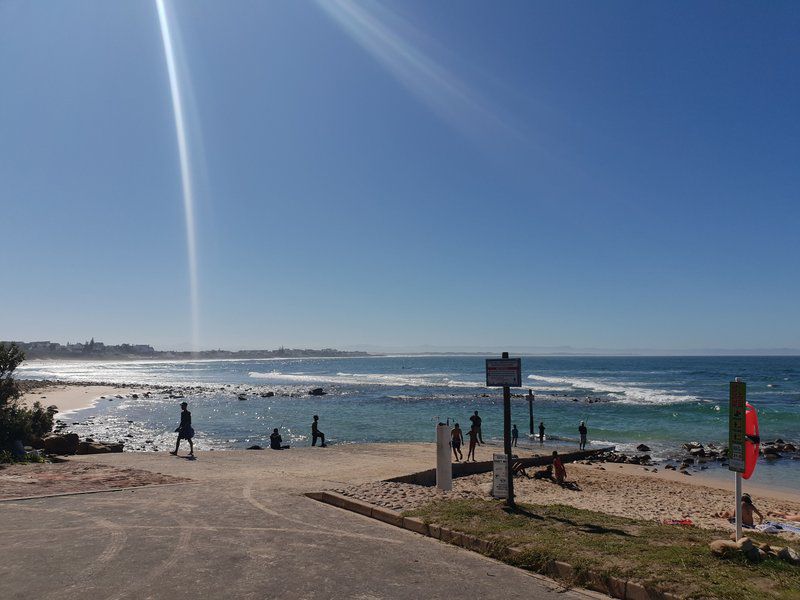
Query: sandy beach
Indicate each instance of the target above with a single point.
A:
(621, 490)
(69, 397)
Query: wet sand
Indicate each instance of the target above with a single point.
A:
(69, 397)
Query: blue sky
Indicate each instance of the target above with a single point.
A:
(473, 174)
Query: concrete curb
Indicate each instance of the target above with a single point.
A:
(565, 572)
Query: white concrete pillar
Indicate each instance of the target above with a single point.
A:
(444, 467)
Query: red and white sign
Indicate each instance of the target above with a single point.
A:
(503, 372)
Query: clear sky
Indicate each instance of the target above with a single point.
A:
(471, 173)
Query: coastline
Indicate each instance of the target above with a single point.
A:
(69, 397)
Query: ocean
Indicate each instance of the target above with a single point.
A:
(663, 402)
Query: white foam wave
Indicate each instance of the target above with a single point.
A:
(627, 393)
(385, 379)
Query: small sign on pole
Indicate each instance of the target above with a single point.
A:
(503, 372)
(500, 479)
(736, 426)
(736, 443)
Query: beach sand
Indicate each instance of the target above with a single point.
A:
(621, 490)
(70, 397)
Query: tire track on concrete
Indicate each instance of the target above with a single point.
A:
(116, 542)
(247, 493)
(181, 547)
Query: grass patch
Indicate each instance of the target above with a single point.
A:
(669, 558)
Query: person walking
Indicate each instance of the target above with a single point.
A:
(456, 439)
(316, 433)
(514, 434)
(583, 431)
(476, 425)
(185, 430)
(541, 432)
(473, 441)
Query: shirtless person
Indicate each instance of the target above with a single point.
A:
(473, 441)
(748, 508)
(558, 469)
(456, 439)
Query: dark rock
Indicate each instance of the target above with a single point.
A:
(61, 444)
(98, 448)
(317, 392)
(255, 447)
(37, 443)
(267, 394)
(242, 397)
(643, 448)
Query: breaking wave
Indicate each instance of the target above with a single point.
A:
(389, 380)
(630, 394)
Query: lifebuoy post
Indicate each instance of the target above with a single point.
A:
(736, 442)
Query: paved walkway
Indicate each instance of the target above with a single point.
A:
(243, 529)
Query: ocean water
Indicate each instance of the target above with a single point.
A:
(660, 401)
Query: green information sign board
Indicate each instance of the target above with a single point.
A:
(736, 426)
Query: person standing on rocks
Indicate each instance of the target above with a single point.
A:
(456, 439)
(583, 431)
(541, 432)
(185, 430)
(316, 433)
(473, 441)
(476, 425)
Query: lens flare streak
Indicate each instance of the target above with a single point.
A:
(185, 164)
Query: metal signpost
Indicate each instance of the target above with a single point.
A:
(506, 373)
(736, 442)
(530, 398)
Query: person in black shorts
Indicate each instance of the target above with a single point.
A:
(456, 439)
(316, 433)
(476, 425)
(185, 430)
(514, 435)
(583, 431)
(541, 432)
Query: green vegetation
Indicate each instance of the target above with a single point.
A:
(669, 558)
(18, 422)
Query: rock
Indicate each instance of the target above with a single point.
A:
(745, 544)
(37, 443)
(255, 447)
(317, 392)
(61, 444)
(789, 555)
(268, 394)
(692, 446)
(643, 448)
(724, 548)
(670, 467)
(134, 396)
(242, 397)
(697, 451)
(98, 448)
(755, 555)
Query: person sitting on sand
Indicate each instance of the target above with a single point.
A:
(546, 473)
(316, 433)
(276, 441)
(514, 434)
(517, 468)
(185, 430)
(558, 469)
(473, 441)
(748, 508)
(456, 439)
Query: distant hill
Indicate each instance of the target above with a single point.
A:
(93, 350)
